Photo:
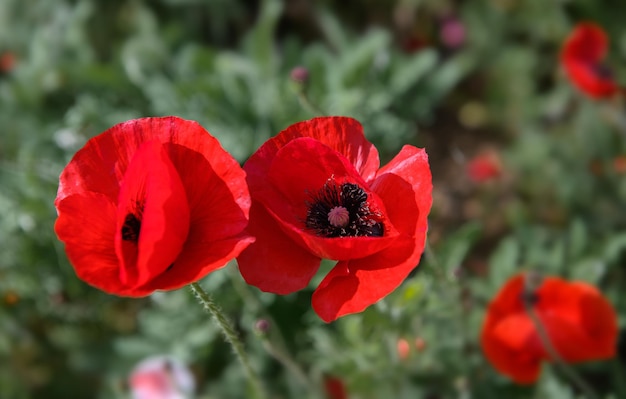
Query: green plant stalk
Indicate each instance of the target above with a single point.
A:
(231, 337)
(569, 372)
(306, 102)
(273, 342)
(455, 290)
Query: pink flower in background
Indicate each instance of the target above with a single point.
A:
(161, 377)
(452, 33)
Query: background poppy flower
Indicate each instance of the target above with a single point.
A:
(153, 203)
(484, 167)
(580, 322)
(335, 388)
(317, 192)
(582, 56)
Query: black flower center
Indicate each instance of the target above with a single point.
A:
(131, 228)
(602, 71)
(342, 210)
(132, 223)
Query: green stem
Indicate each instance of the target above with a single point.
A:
(569, 372)
(230, 335)
(440, 274)
(273, 341)
(308, 104)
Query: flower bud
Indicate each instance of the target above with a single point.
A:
(299, 74)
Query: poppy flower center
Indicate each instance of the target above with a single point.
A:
(339, 216)
(131, 228)
(602, 71)
(132, 223)
(342, 210)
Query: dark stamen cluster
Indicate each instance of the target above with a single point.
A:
(363, 222)
(132, 224)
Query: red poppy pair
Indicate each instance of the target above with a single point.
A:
(156, 203)
(582, 56)
(580, 323)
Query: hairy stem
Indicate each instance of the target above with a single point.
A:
(231, 337)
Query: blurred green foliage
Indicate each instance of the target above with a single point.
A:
(82, 66)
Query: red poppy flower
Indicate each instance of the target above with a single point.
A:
(335, 388)
(579, 321)
(317, 192)
(484, 167)
(582, 56)
(151, 204)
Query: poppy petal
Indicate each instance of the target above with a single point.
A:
(581, 323)
(196, 261)
(410, 166)
(151, 183)
(587, 78)
(351, 286)
(588, 42)
(514, 349)
(273, 263)
(86, 224)
(342, 134)
(599, 320)
(290, 193)
(582, 54)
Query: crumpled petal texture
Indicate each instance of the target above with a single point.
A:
(284, 175)
(580, 322)
(151, 204)
(582, 56)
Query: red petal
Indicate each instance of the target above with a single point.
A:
(86, 224)
(342, 134)
(585, 76)
(151, 182)
(587, 42)
(351, 286)
(354, 285)
(273, 263)
(101, 164)
(410, 167)
(581, 323)
(299, 170)
(582, 53)
(196, 261)
(514, 349)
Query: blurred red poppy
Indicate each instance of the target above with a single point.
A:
(151, 204)
(317, 192)
(582, 56)
(7, 62)
(484, 167)
(335, 388)
(580, 322)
